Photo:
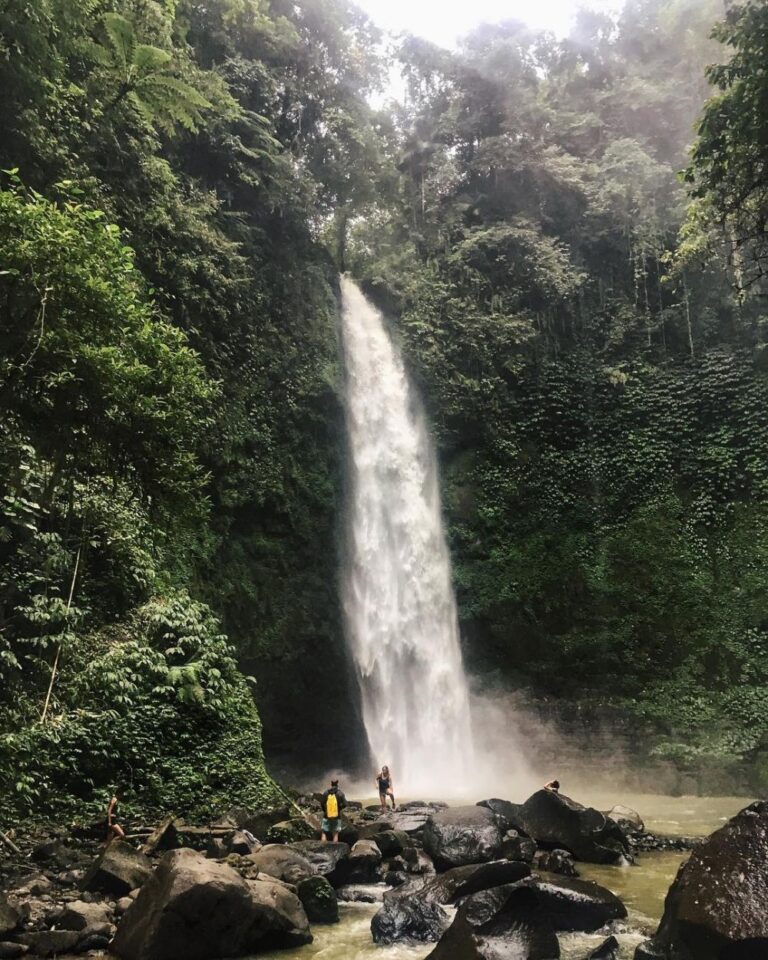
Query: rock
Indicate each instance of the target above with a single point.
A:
(395, 878)
(9, 951)
(259, 823)
(363, 862)
(326, 859)
(40, 886)
(463, 835)
(514, 846)
(54, 852)
(628, 819)
(48, 943)
(460, 882)
(240, 844)
(319, 900)
(95, 941)
(576, 904)
(216, 849)
(717, 907)
(197, 908)
(556, 821)
(391, 842)
(291, 831)
(9, 916)
(409, 919)
(164, 837)
(122, 905)
(349, 833)
(283, 862)
(118, 870)
(608, 950)
(502, 924)
(78, 915)
(410, 820)
(556, 861)
(510, 813)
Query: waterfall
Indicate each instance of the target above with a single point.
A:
(397, 593)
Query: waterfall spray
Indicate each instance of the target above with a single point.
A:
(398, 599)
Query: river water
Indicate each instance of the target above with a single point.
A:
(642, 887)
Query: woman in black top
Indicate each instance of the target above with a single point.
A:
(114, 830)
(386, 788)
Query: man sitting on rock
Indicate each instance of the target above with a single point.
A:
(334, 802)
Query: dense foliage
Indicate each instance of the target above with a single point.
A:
(183, 181)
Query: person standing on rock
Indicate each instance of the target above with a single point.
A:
(114, 830)
(334, 802)
(386, 788)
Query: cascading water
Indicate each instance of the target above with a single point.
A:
(397, 593)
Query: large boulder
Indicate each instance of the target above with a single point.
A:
(717, 907)
(515, 846)
(326, 859)
(363, 863)
(557, 821)
(319, 900)
(577, 904)
(409, 918)
(117, 870)
(9, 916)
(461, 882)
(282, 862)
(463, 835)
(510, 813)
(199, 909)
(556, 861)
(289, 831)
(502, 924)
(79, 915)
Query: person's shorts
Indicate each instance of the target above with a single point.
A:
(331, 826)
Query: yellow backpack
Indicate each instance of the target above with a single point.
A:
(332, 806)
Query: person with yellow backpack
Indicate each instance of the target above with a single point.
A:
(333, 802)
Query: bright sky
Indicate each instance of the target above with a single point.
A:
(442, 21)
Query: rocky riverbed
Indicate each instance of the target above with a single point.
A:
(489, 881)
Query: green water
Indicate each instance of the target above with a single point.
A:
(642, 887)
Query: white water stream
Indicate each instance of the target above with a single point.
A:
(398, 597)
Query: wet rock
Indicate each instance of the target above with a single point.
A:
(410, 820)
(291, 831)
(556, 861)
(349, 833)
(118, 870)
(577, 904)
(628, 819)
(48, 943)
(461, 882)
(556, 821)
(717, 907)
(395, 878)
(198, 909)
(463, 835)
(363, 863)
(10, 951)
(608, 950)
(282, 862)
(391, 842)
(319, 900)
(514, 846)
(95, 940)
(503, 924)
(509, 812)
(326, 859)
(79, 915)
(10, 917)
(409, 919)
